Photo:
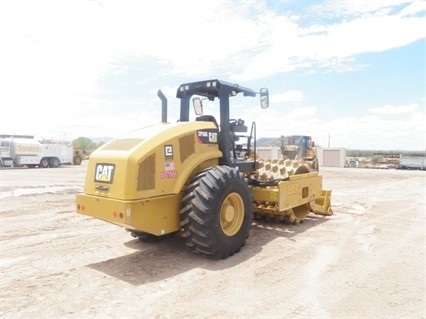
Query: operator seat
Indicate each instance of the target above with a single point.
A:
(207, 118)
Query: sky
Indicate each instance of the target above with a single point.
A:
(349, 73)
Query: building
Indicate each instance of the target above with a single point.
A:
(331, 157)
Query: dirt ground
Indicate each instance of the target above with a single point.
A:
(365, 261)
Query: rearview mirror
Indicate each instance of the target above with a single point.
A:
(198, 105)
(264, 98)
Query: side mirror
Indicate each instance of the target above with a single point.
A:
(198, 105)
(264, 98)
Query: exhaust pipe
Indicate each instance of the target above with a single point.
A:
(163, 106)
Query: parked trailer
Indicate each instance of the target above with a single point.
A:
(412, 162)
(29, 152)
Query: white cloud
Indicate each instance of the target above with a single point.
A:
(393, 109)
(289, 96)
(377, 133)
(373, 132)
(52, 40)
(54, 54)
(290, 46)
(351, 8)
(370, 132)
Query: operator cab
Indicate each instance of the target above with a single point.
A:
(230, 130)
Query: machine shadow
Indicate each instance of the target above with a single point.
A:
(156, 261)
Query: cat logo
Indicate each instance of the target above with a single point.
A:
(104, 173)
(207, 136)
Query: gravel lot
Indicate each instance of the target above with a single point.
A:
(365, 261)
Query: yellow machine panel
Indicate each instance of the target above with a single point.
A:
(136, 180)
(157, 216)
(291, 200)
(149, 162)
(298, 190)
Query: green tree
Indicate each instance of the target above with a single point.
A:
(84, 144)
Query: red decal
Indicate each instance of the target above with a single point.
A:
(168, 174)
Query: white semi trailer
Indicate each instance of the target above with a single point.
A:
(412, 162)
(19, 152)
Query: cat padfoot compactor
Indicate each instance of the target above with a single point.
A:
(198, 178)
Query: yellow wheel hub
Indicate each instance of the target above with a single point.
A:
(232, 214)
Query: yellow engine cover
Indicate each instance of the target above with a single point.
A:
(136, 180)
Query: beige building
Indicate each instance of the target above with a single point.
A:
(331, 157)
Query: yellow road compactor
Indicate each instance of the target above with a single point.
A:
(200, 178)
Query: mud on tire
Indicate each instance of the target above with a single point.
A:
(216, 212)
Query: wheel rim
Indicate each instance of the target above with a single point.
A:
(232, 214)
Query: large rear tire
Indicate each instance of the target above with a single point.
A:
(44, 162)
(216, 212)
(54, 162)
(77, 160)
